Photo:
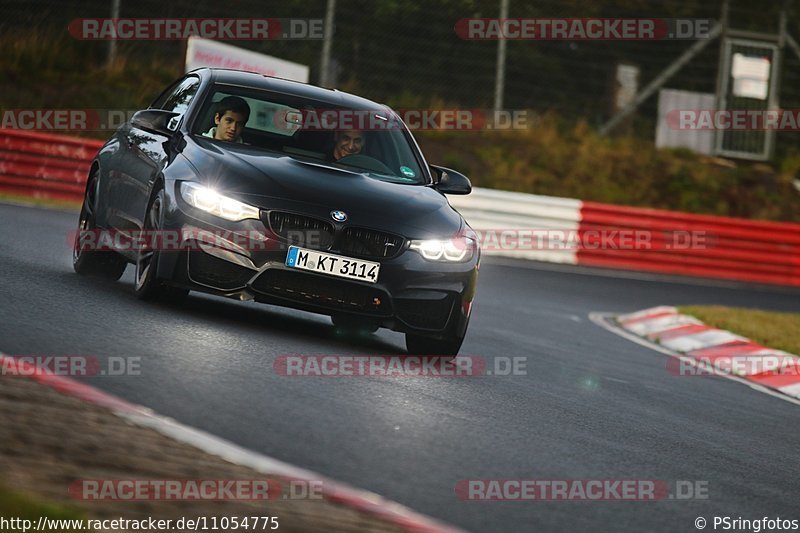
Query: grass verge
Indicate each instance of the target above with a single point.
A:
(771, 328)
(50, 203)
(24, 507)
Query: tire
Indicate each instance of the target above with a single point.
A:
(146, 283)
(421, 345)
(101, 263)
(354, 325)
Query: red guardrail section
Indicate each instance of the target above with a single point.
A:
(728, 248)
(56, 166)
(44, 165)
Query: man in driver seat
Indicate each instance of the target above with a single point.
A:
(347, 142)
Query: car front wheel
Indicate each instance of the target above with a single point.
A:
(148, 286)
(102, 263)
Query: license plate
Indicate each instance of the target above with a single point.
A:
(332, 265)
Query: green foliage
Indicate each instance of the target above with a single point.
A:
(561, 159)
(18, 505)
(59, 72)
(558, 155)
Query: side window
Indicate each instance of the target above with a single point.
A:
(163, 96)
(178, 98)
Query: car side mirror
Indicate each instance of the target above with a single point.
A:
(450, 182)
(156, 121)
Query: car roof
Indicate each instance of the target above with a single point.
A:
(271, 83)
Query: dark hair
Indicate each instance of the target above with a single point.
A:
(235, 105)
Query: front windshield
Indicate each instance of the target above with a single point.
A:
(370, 141)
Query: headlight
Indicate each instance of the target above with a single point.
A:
(455, 250)
(210, 201)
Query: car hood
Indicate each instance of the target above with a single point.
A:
(276, 181)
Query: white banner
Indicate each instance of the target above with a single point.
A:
(207, 53)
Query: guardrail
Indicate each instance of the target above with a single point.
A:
(727, 248)
(528, 226)
(44, 165)
(587, 233)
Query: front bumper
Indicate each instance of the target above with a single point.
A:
(412, 294)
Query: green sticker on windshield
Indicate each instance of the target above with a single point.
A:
(407, 172)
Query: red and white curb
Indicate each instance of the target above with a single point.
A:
(709, 350)
(333, 491)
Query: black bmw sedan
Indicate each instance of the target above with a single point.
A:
(252, 187)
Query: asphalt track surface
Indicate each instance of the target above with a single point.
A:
(592, 405)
